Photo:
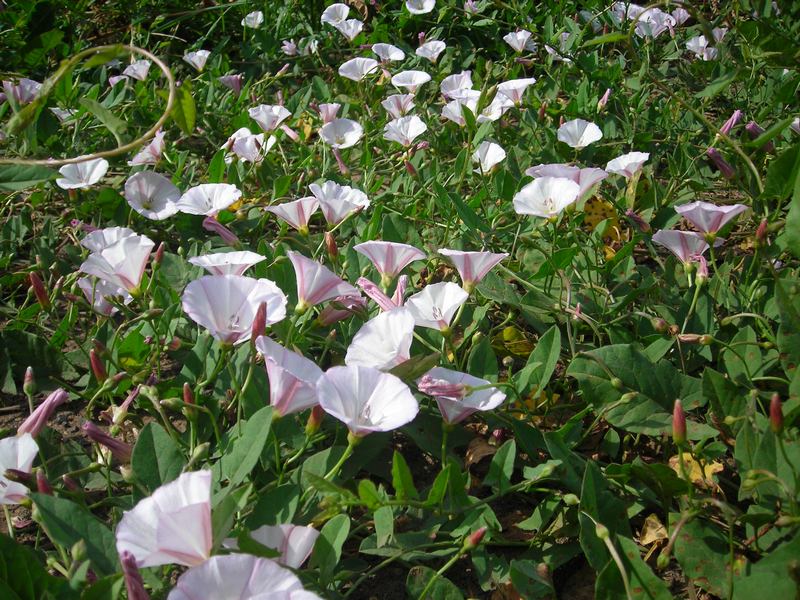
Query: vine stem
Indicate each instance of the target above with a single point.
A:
(49, 85)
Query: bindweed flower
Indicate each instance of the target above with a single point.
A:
(685, 245)
(37, 286)
(335, 14)
(341, 133)
(559, 55)
(546, 197)
(197, 58)
(754, 130)
(431, 50)
(23, 91)
(28, 384)
(452, 85)
(239, 577)
(341, 308)
(388, 52)
(732, 122)
(289, 48)
(776, 414)
(82, 175)
(389, 258)
(98, 292)
(296, 213)
(601, 104)
(338, 201)
(520, 41)
(454, 112)
(328, 111)
(316, 283)
(39, 417)
(725, 168)
(488, 156)
(404, 130)
(247, 146)
(211, 224)
(226, 305)
(454, 396)
(133, 579)
(652, 22)
(18, 453)
(375, 293)
(398, 105)
(513, 89)
(269, 117)
(100, 239)
(232, 82)
(384, 341)
(121, 263)
(436, 305)
(420, 7)
(294, 542)
(253, 20)
(700, 47)
(208, 198)
(795, 126)
(410, 80)
(172, 526)
(709, 218)
(227, 263)
(138, 69)
(115, 79)
(292, 378)
(472, 266)
(356, 69)
(365, 399)
(585, 178)
(470, 7)
(119, 450)
(350, 28)
(579, 133)
(628, 164)
(152, 195)
(150, 154)
(496, 109)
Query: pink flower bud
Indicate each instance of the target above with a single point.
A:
(28, 382)
(440, 387)
(761, 233)
(410, 168)
(421, 37)
(637, 220)
(330, 244)
(119, 449)
(159, 255)
(678, 424)
(259, 322)
(601, 104)
(725, 168)
(732, 121)
(188, 395)
(133, 579)
(99, 370)
(211, 224)
(70, 483)
(38, 290)
(39, 417)
(776, 414)
(293, 135)
(474, 539)
(702, 271)
(42, 485)
(314, 420)
(342, 167)
(754, 130)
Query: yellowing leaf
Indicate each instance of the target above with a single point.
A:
(699, 474)
(512, 341)
(652, 531)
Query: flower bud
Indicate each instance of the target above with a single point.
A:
(570, 500)
(542, 111)
(706, 339)
(616, 383)
(159, 255)
(410, 168)
(42, 485)
(761, 233)
(689, 338)
(133, 579)
(678, 424)
(18, 476)
(642, 225)
(754, 130)
(70, 483)
(601, 531)
(38, 290)
(601, 104)
(29, 383)
(474, 539)
(98, 369)
(732, 121)
(330, 244)
(39, 417)
(314, 420)
(199, 454)
(776, 414)
(662, 562)
(211, 224)
(724, 167)
(119, 449)
(660, 325)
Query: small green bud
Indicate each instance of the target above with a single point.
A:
(570, 499)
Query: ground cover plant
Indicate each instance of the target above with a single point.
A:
(426, 299)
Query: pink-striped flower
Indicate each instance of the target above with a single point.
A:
(18, 453)
(341, 308)
(39, 417)
(208, 198)
(389, 258)
(384, 341)
(173, 526)
(120, 450)
(585, 178)
(227, 263)
(685, 245)
(338, 201)
(398, 105)
(150, 154)
(709, 218)
(292, 377)
(328, 112)
(294, 542)
(436, 305)
(121, 263)
(232, 82)
(455, 395)
(316, 283)
(296, 213)
(472, 266)
(373, 291)
(98, 293)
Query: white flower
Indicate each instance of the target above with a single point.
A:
(338, 201)
(453, 110)
(404, 130)
(137, 69)
(436, 305)
(699, 46)
(497, 107)
(488, 155)
(82, 175)
(350, 28)
(100, 239)
(63, 114)
(16, 452)
(335, 14)
(398, 105)
(515, 88)
(197, 59)
(227, 263)
(546, 197)
(341, 133)
(388, 52)
(452, 84)
(562, 49)
(455, 407)
(152, 195)
(121, 263)
(585, 178)
(358, 68)
(628, 164)
(420, 7)
(150, 154)
(269, 117)
(253, 20)
(289, 48)
(431, 50)
(410, 80)
(384, 341)
(579, 133)
(208, 198)
(98, 292)
(520, 40)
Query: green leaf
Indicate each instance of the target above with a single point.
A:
(468, 216)
(482, 361)
(384, 525)
(502, 467)
(439, 487)
(402, 480)
(184, 111)
(67, 523)
(416, 366)
(368, 493)
(541, 363)
(109, 120)
(645, 585)
(216, 168)
(24, 577)
(14, 178)
(702, 551)
(242, 455)
(101, 58)
(609, 38)
(156, 458)
(442, 588)
(275, 506)
(328, 548)
(719, 85)
(774, 573)
(226, 504)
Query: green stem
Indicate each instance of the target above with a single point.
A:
(352, 442)
(440, 572)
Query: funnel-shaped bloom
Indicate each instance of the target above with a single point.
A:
(296, 213)
(138, 69)
(700, 47)
(97, 293)
(384, 341)
(39, 417)
(579, 133)
(292, 377)
(410, 80)
(382, 300)
(23, 91)
(472, 266)
(340, 308)
(268, 116)
(366, 399)
(150, 154)
(453, 84)
(496, 109)
(454, 112)
(546, 197)
(100, 239)
(341, 133)
(585, 178)
(120, 450)
(453, 394)
(707, 217)
(388, 52)
(239, 577)
(335, 14)
(420, 7)
(152, 195)
(208, 198)
(356, 69)
(16, 452)
(350, 28)
(328, 111)
(398, 105)
(316, 283)
(232, 82)
(404, 130)
(431, 50)
(520, 41)
(513, 89)
(628, 164)
(488, 156)
(247, 146)
(253, 20)
(122, 263)
(653, 22)
(226, 305)
(82, 175)
(197, 58)
(173, 526)
(686, 245)
(227, 263)
(294, 542)
(389, 258)
(436, 305)
(338, 201)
